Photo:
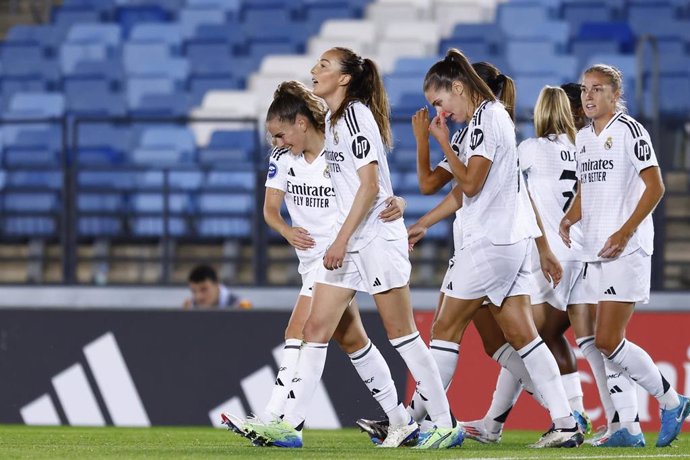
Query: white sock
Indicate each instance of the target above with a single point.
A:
(624, 397)
(425, 372)
(374, 372)
(640, 367)
(508, 389)
(596, 363)
(573, 391)
(508, 358)
(283, 383)
(446, 356)
(309, 369)
(543, 369)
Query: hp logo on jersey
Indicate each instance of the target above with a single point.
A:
(361, 147)
(643, 151)
(476, 138)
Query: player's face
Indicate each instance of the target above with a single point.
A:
(326, 75)
(598, 97)
(286, 135)
(205, 293)
(449, 103)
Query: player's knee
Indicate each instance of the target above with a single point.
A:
(350, 343)
(606, 345)
(518, 338)
(294, 331)
(444, 329)
(315, 332)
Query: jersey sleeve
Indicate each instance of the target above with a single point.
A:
(526, 154)
(457, 144)
(579, 145)
(638, 147)
(364, 139)
(483, 135)
(277, 169)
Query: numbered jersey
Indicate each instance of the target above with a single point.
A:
(457, 143)
(353, 142)
(608, 167)
(548, 164)
(501, 211)
(309, 197)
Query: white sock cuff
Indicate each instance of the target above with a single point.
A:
(583, 342)
(501, 352)
(530, 347)
(617, 351)
(293, 343)
(355, 355)
(315, 345)
(444, 345)
(404, 340)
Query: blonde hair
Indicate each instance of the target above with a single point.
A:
(552, 114)
(615, 77)
(293, 98)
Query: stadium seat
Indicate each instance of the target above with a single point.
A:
(146, 202)
(224, 227)
(240, 181)
(154, 227)
(223, 203)
(165, 145)
(167, 33)
(34, 179)
(100, 202)
(235, 148)
(109, 35)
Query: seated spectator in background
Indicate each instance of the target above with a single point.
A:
(208, 293)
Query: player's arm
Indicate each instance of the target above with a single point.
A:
(430, 181)
(470, 178)
(653, 192)
(550, 266)
(450, 203)
(364, 199)
(571, 217)
(297, 237)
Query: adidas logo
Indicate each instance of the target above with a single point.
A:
(291, 172)
(616, 389)
(450, 286)
(77, 397)
(256, 389)
(377, 282)
(610, 291)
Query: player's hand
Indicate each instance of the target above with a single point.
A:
(335, 255)
(395, 208)
(615, 245)
(299, 238)
(415, 233)
(420, 124)
(551, 267)
(564, 231)
(439, 128)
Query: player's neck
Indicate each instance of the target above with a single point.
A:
(601, 122)
(335, 100)
(314, 146)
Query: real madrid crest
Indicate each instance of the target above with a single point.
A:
(335, 136)
(608, 144)
(326, 172)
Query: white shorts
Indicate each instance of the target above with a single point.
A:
(308, 281)
(379, 266)
(485, 269)
(570, 291)
(625, 279)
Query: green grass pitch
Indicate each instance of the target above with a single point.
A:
(21, 442)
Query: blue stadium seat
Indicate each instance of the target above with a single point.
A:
(224, 203)
(35, 179)
(619, 31)
(138, 88)
(177, 180)
(29, 227)
(164, 145)
(99, 226)
(237, 181)
(675, 94)
(105, 34)
(576, 12)
(153, 202)
(403, 136)
(36, 105)
(167, 33)
(529, 86)
(100, 202)
(231, 7)
(100, 143)
(583, 49)
(32, 144)
(224, 227)
(191, 19)
(153, 227)
(128, 16)
(649, 17)
(25, 202)
(153, 60)
(117, 179)
(518, 20)
(229, 148)
(199, 85)
(410, 66)
(93, 97)
(408, 104)
(397, 85)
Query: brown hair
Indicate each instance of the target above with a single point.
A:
(615, 77)
(366, 86)
(292, 98)
(501, 85)
(456, 67)
(552, 114)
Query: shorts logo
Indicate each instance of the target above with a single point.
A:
(643, 151)
(609, 143)
(476, 138)
(361, 147)
(610, 291)
(272, 170)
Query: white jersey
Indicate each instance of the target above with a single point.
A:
(549, 167)
(501, 211)
(309, 197)
(457, 143)
(353, 142)
(608, 167)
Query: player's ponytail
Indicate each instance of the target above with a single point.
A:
(366, 86)
(552, 114)
(502, 86)
(292, 98)
(455, 67)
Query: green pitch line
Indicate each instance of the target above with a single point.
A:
(21, 442)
